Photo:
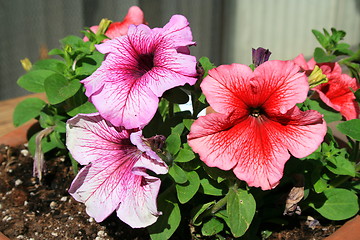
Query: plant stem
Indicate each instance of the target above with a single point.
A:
(219, 204)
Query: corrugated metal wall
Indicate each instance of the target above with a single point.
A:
(224, 30)
(284, 26)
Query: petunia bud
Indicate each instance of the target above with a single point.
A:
(103, 26)
(260, 55)
(26, 64)
(317, 77)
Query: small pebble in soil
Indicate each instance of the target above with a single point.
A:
(53, 205)
(24, 152)
(63, 199)
(6, 218)
(91, 220)
(18, 182)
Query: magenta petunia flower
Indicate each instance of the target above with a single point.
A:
(115, 176)
(116, 29)
(138, 69)
(256, 124)
(337, 92)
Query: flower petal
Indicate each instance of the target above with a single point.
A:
(177, 29)
(109, 184)
(116, 178)
(137, 70)
(279, 86)
(222, 86)
(337, 94)
(256, 149)
(90, 137)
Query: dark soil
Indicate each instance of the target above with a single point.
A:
(29, 210)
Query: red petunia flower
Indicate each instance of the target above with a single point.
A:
(257, 124)
(337, 92)
(116, 29)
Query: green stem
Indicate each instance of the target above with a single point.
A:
(171, 109)
(355, 152)
(219, 204)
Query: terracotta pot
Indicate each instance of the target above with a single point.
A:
(3, 237)
(349, 231)
(19, 135)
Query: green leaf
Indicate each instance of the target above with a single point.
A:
(58, 88)
(50, 64)
(89, 64)
(176, 95)
(187, 190)
(341, 165)
(240, 209)
(320, 56)
(198, 212)
(323, 40)
(337, 35)
(178, 174)
(357, 95)
(211, 187)
(56, 51)
(33, 81)
(188, 123)
(26, 110)
(87, 107)
(212, 227)
(206, 64)
(350, 128)
(178, 129)
(343, 49)
(168, 222)
(73, 41)
(336, 204)
(173, 143)
(184, 155)
(330, 115)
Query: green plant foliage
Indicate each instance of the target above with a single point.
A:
(336, 204)
(33, 81)
(26, 110)
(169, 221)
(240, 209)
(350, 128)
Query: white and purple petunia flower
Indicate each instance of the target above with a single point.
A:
(139, 67)
(115, 177)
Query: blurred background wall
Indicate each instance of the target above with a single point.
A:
(225, 30)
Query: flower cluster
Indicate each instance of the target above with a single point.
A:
(116, 102)
(254, 128)
(140, 65)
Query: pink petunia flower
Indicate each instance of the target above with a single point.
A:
(337, 92)
(116, 29)
(256, 124)
(115, 176)
(138, 69)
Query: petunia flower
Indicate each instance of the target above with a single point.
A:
(337, 91)
(116, 29)
(115, 177)
(256, 124)
(138, 69)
